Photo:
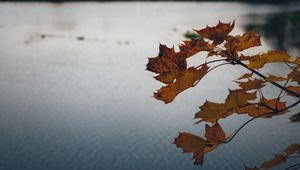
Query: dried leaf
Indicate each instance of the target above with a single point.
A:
(255, 110)
(273, 78)
(165, 61)
(294, 148)
(184, 80)
(211, 112)
(295, 75)
(258, 61)
(278, 160)
(294, 89)
(247, 75)
(251, 84)
(198, 145)
(218, 33)
(240, 43)
(214, 134)
(192, 143)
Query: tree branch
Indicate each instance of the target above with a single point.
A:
(264, 77)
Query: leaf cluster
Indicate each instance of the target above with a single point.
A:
(225, 49)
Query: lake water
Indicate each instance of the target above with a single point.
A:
(75, 94)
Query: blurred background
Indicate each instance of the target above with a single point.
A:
(75, 94)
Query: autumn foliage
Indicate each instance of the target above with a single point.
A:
(172, 70)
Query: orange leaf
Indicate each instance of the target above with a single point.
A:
(273, 78)
(295, 76)
(258, 61)
(165, 61)
(192, 143)
(189, 48)
(255, 110)
(240, 43)
(251, 84)
(278, 160)
(166, 78)
(211, 112)
(247, 75)
(199, 146)
(294, 89)
(214, 134)
(292, 149)
(218, 33)
(184, 80)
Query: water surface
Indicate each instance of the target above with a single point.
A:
(75, 94)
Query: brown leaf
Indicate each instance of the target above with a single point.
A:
(247, 75)
(184, 80)
(251, 84)
(190, 48)
(278, 160)
(217, 33)
(211, 112)
(198, 145)
(192, 143)
(214, 134)
(294, 89)
(295, 75)
(292, 149)
(240, 43)
(273, 78)
(166, 78)
(255, 110)
(295, 117)
(165, 61)
(258, 61)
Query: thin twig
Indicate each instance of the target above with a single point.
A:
(265, 114)
(278, 98)
(213, 61)
(289, 65)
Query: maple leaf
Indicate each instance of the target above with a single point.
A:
(240, 43)
(258, 61)
(184, 80)
(214, 134)
(236, 99)
(199, 146)
(218, 33)
(251, 84)
(192, 143)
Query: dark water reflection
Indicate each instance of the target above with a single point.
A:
(281, 30)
